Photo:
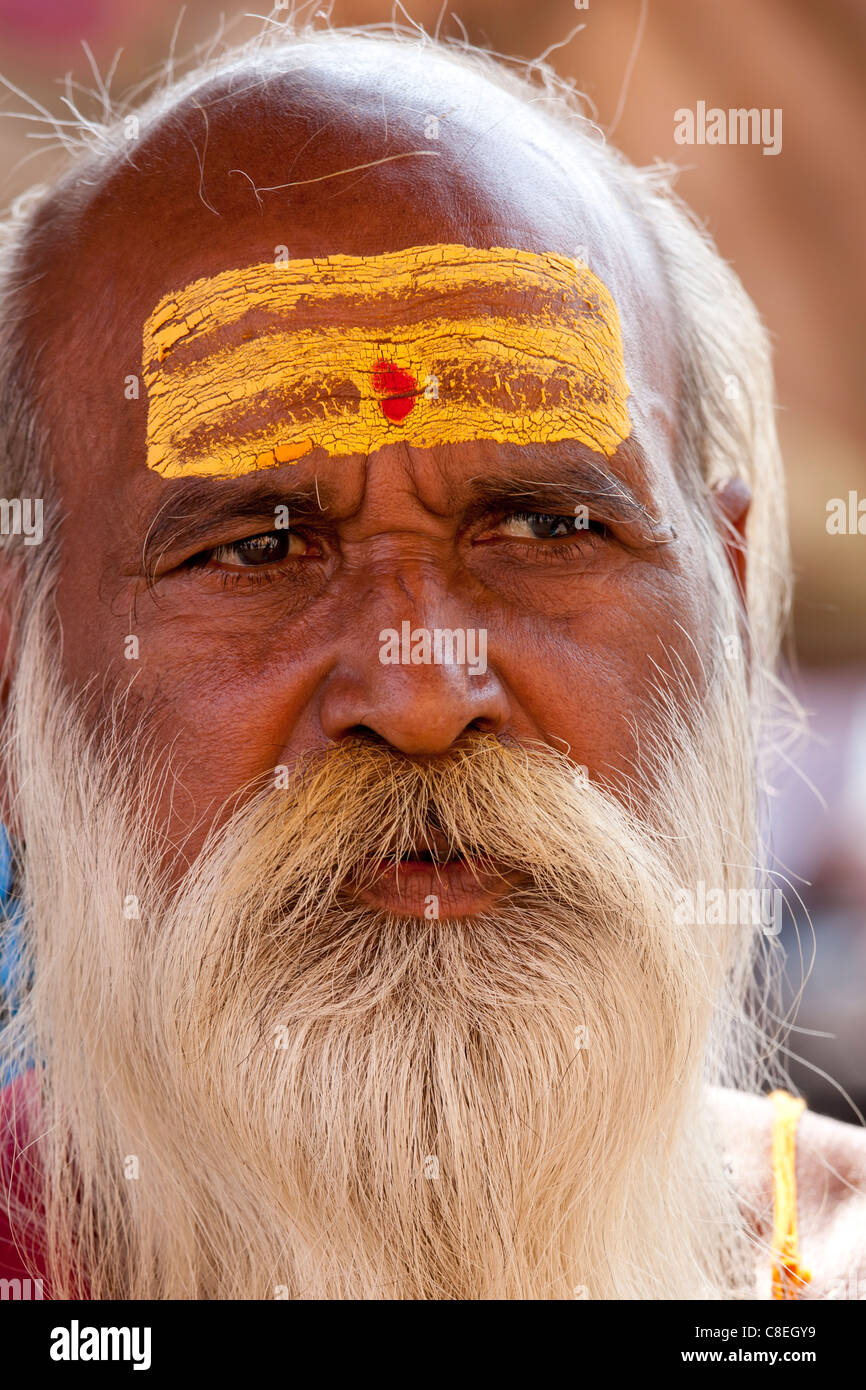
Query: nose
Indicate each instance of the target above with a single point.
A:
(419, 709)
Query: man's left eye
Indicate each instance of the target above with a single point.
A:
(543, 526)
(269, 548)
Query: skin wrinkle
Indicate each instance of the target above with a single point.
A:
(192, 515)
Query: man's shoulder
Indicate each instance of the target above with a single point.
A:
(831, 1187)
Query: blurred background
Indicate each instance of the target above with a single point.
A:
(791, 224)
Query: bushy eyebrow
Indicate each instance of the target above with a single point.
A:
(197, 508)
(608, 498)
(579, 479)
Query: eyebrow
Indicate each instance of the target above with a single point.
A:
(199, 506)
(579, 481)
(570, 469)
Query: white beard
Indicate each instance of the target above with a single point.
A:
(266, 1090)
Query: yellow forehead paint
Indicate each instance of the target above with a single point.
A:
(431, 345)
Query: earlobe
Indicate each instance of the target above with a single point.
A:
(731, 502)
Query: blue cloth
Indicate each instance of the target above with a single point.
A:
(9, 916)
(12, 983)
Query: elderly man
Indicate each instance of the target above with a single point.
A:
(384, 690)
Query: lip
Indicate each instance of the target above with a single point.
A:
(421, 888)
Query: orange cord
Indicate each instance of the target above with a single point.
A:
(789, 1276)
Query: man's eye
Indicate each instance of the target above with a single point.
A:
(545, 526)
(269, 548)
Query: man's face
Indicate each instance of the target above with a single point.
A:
(257, 645)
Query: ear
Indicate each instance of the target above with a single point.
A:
(731, 501)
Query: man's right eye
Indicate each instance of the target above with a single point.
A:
(252, 552)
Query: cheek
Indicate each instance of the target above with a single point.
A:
(230, 712)
(590, 685)
(220, 699)
(93, 631)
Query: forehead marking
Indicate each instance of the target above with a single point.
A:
(429, 345)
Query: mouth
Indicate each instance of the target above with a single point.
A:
(431, 848)
(433, 880)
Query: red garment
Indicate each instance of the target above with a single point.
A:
(17, 1177)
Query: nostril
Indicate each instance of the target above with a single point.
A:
(482, 725)
(363, 731)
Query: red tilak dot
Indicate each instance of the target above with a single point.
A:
(397, 386)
